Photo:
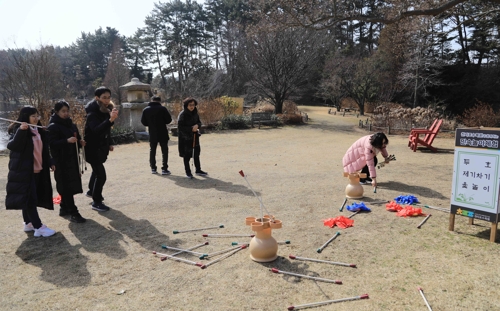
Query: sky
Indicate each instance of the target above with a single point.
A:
(29, 23)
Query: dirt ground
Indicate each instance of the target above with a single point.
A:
(298, 172)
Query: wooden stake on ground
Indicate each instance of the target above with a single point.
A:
(323, 261)
(222, 257)
(198, 229)
(426, 302)
(319, 250)
(343, 204)
(350, 216)
(321, 303)
(188, 249)
(423, 221)
(274, 270)
(225, 250)
(199, 264)
(433, 207)
(202, 255)
(279, 242)
(227, 235)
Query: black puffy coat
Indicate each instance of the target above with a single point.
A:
(97, 133)
(64, 155)
(21, 171)
(156, 117)
(185, 122)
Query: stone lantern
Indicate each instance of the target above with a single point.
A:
(138, 95)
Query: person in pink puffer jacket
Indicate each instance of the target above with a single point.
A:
(362, 156)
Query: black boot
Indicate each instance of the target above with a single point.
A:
(76, 217)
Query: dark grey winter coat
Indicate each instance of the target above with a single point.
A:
(64, 155)
(185, 122)
(21, 171)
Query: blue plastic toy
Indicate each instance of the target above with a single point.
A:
(406, 199)
(358, 207)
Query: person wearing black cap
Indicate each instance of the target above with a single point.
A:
(156, 117)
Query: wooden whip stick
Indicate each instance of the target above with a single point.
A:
(423, 221)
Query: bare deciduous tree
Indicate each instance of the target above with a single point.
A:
(280, 62)
(321, 14)
(117, 72)
(35, 75)
(355, 77)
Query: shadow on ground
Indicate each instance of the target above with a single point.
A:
(440, 151)
(297, 267)
(484, 234)
(207, 182)
(61, 263)
(95, 238)
(141, 231)
(417, 191)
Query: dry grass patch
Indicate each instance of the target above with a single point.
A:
(298, 173)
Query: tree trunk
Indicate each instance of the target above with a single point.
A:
(278, 107)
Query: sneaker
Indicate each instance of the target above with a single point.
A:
(100, 207)
(28, 227)
(77, 218)
(44, 231)
(189, 175)
(153, 171)
(63, 212)
(165, 172)
(201, 173)
(365, 182)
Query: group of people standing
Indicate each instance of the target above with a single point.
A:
(156, 117)
(35, 150)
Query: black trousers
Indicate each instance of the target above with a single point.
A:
(30, 212)
(97, 181)
(164, 154)
(68, 203)
(197, 164)
(367, 171)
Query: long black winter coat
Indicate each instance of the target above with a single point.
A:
(97, 133)
(187, 119)
(64, 155)
(156, 117)
(21, 171)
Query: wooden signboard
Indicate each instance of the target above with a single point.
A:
(476, 177)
